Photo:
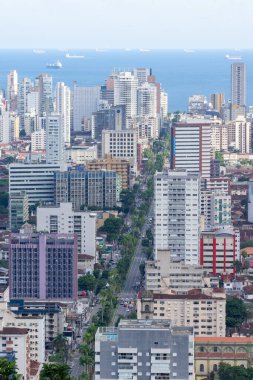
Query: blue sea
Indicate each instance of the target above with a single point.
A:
(181, 74)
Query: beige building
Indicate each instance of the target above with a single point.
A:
(211, 351)
(81, 155)
(163, 273)
(219, 137)
(239, 136)
(217, 100)
(120, 166)
(203, 309)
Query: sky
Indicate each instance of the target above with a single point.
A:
(161, 24)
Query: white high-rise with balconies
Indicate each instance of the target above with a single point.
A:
(12, 89)
(177, 214)
(191, 146)
(146, 100)
(125, 92)
(62, 106)
(54, 138)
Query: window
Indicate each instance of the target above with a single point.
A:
(215, 368)
(201, 368)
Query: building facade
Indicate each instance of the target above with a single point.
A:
(144, 350)
(204, 311)
(37, 180)
(191, 146)
(177, 214)
(43, 266)
(87, 188)
(63, 220)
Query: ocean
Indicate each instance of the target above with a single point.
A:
(181, 73)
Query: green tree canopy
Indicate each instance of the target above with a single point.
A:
(8, 370)
(87, 282)
(235, 312)
(55, 372)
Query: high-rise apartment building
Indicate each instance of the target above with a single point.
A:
(63, 107)
(239, 135)
(164, 104)
(18, 210)
(113, 118)
(121, 144)
(38, 140)
(177, 214)
(87, 188)
(146, 100)
(55, 138)
(63, 220)
(37, 180)
(24, 87)
(142, 74)
(191, 146)
(9, 127)
(43, 266)
(12, 89)
(238, 84)
(217, 101)
(45, 88)
(125, 92)
(85, 102)
(144, 350)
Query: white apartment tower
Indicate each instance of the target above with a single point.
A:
(146, 100)
(177, 214)
(12, 89)
(63, 220)
(191, 147)
(54, 138)
(125, 92)
(45, 86)
(164, 103)
(24, 88)
(85, 102)
(63, 107)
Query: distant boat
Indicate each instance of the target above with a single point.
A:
(74, 56)
(189, 51)
(56, 65)
(144, 50)
(233, 57)
(39, 51)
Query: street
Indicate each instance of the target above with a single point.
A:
(133, 274)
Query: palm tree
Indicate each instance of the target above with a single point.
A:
(8, 370)
(88, 362)
(55, 372)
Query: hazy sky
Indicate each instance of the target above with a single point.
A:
(126, 23)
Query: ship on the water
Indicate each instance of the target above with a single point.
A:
(233, 57)
(56, 65)
(74, 56)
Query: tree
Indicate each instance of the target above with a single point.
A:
(8, 370)
(235, 312)
(55, 372)
(87, 282)
(228, 372)
(112, 227)
(237, 265)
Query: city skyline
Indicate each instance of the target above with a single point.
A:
(144, 24)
